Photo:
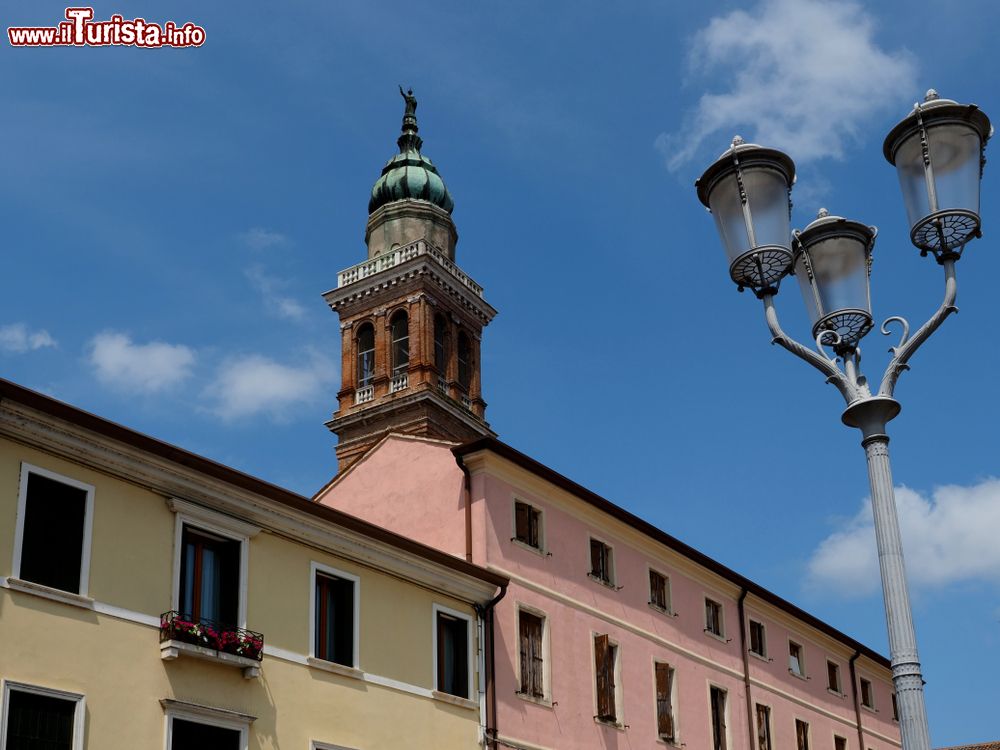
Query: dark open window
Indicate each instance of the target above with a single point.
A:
(664, 703)
(801, 735)
(758, 643)
(658, 595)
(441, 344)
(400, 335)
(895, 708)
(763, 727)
(191, 735)
(334, 619)
(717, 698)
(366, 355)
(532, 666)
(600, 561)
(867, 696)
(52, 535)
(464, 360)
(605, 654)
(527, 521)
(833, 676)
(713, 617)
(39, 722)
(839, 743)
(210, 577)
(453, 655)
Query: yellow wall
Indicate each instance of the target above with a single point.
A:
(116, 662)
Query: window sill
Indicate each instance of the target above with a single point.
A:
(538, 700)
(716, 636)
(170, 650)
(335, 668)
(662, 610)
(800, 675)
(762, 657)
(612, 723)
(525, 546)
(669, 743)
(47, 592)
(869, 709)
(608, 584)
(454, 700)
(836, 692)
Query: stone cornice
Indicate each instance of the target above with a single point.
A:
(173, 480)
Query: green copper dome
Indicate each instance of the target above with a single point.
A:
(410, 174)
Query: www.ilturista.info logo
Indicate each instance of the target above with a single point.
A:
(80, 30)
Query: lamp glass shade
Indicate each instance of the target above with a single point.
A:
(832, 266)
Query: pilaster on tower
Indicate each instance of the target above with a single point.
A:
(411, 320)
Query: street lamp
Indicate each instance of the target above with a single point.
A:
(938, 152)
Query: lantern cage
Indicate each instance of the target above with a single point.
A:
(833, 259)
(939, 153)
(748, 190)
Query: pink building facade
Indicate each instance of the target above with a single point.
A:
(612, 633)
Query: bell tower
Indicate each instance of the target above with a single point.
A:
(411, 321)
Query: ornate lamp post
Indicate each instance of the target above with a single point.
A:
(938, 151)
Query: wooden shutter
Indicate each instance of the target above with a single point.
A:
(521, 511)
(802, 734)
(532, 527)
(763, 731)
(605, 667)
(664, 711)
(535, 642)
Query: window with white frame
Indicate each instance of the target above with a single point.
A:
(452, 652)
(53, 530)
(192, 726)
(527, 524)
(713, 618)
(335, 632)
(38, 718)
(833, 677)
(796, 662)
(531, 642)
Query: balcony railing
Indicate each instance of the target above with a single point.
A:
(226, 639)
(401, 255)
(467, 402)
(364, 394)
(399, 381)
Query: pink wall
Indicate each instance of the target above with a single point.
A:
(408, 485)
(415, 487)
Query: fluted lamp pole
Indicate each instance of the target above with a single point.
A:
(938, 153)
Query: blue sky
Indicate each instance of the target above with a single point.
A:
(171, 218)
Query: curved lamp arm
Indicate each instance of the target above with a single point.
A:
(825, 365)
(908, 345)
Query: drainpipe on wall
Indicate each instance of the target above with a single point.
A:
(854, 695)
(746, 667)
(487, 667)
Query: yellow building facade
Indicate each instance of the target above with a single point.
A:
(150, 598)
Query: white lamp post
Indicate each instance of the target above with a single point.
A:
(938, 152)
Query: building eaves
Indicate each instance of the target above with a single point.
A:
(541, 470)
(10, 391)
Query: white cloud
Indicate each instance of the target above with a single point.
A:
(146, 368)
(16, 338)
(947, 538)
(804, 76)
(263, 239)
(270, 288)
(254, 384)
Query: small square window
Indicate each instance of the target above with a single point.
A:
(452, 654)
(659, 591)
(601, 560)
(867, 694)
(833, 676)
(796, 664)
(713, 618)
(758, 641)
(527, 524)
